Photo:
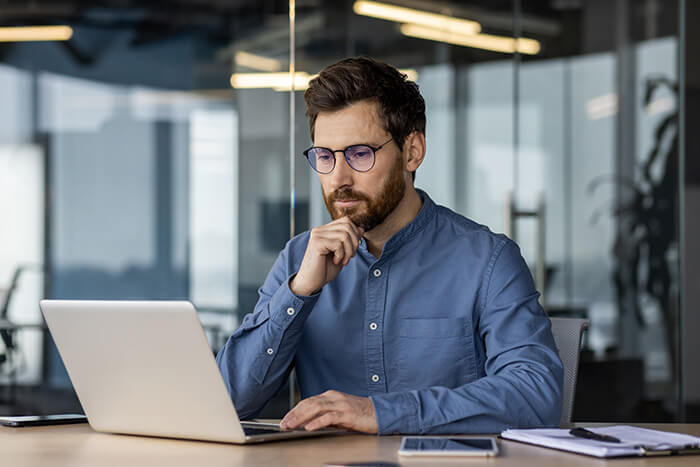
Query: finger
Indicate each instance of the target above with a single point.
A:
(346, 222)
(356, 229)
(341, 243)
(350, 247)
(327, 419)
(341, 251)
(346, 227)
(330, 243)
(305, 411)
(350, 234)
(299, 419)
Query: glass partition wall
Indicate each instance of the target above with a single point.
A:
(571, 148)
(167, 164)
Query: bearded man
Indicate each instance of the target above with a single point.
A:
(400, 316)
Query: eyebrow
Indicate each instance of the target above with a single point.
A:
(364, 143)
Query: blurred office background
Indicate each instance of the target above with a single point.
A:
(140, 160)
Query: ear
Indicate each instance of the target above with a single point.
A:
(414, 150)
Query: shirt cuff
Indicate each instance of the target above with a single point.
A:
(397, 413)
(288, 310)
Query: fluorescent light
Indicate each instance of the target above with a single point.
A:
(257, 62)
(480, 41)
(281, 81)
(409, 15)
(35, 33)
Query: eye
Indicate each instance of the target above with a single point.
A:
(360, 152)
(322, 155)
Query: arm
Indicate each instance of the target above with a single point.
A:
(521, 386)
(257, 358)
(523, 382)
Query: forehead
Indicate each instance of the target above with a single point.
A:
(357, 123)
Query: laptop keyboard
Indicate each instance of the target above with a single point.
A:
(258, 428)
(250, 431)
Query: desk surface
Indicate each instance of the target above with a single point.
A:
(79, 445)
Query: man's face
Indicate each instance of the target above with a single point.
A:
(366, 197)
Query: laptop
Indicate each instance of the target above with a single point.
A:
(146, 368)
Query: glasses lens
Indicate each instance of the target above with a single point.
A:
(360, 158)
(321, 160)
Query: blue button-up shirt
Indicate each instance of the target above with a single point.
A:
(443, 332)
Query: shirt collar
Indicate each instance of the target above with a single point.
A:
(410, 230)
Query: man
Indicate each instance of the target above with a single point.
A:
(399, 316)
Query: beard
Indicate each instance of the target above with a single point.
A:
(371, 211)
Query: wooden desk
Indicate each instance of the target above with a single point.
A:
(78, 445)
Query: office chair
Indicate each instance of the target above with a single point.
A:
(7, 335)
(567, 337)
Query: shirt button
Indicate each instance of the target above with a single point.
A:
(375, 378)
(270, 351)
(377, 272)
(290, 311)
(373, 326)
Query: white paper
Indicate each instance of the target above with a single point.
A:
(632, 439)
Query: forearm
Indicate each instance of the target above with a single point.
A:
(518, 397)
(258, 356)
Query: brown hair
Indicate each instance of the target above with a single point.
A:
(401, 106)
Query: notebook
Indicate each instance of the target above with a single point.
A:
(146, 368)
(634, 441)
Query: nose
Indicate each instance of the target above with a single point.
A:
(342, 174)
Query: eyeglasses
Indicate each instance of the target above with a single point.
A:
(360, 157)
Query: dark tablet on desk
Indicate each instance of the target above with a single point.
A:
(37, 420)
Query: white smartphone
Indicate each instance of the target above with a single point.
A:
(447, 446)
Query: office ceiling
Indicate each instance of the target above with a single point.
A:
(326, 29)
(322, 25)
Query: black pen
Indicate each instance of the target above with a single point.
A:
(583, 433)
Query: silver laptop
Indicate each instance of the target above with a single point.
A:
(146, 368)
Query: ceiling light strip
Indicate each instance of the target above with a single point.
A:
(409, 15)
(281, 81)
(480, 41)
(35, 33)
(257, 62)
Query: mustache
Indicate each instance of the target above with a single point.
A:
(345, 194)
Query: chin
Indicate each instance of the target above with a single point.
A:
(352, 213)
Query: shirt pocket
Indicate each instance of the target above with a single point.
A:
(435, 352)
(432, 327)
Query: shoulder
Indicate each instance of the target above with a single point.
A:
(464, 230)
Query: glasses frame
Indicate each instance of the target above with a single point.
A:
(345, 153)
